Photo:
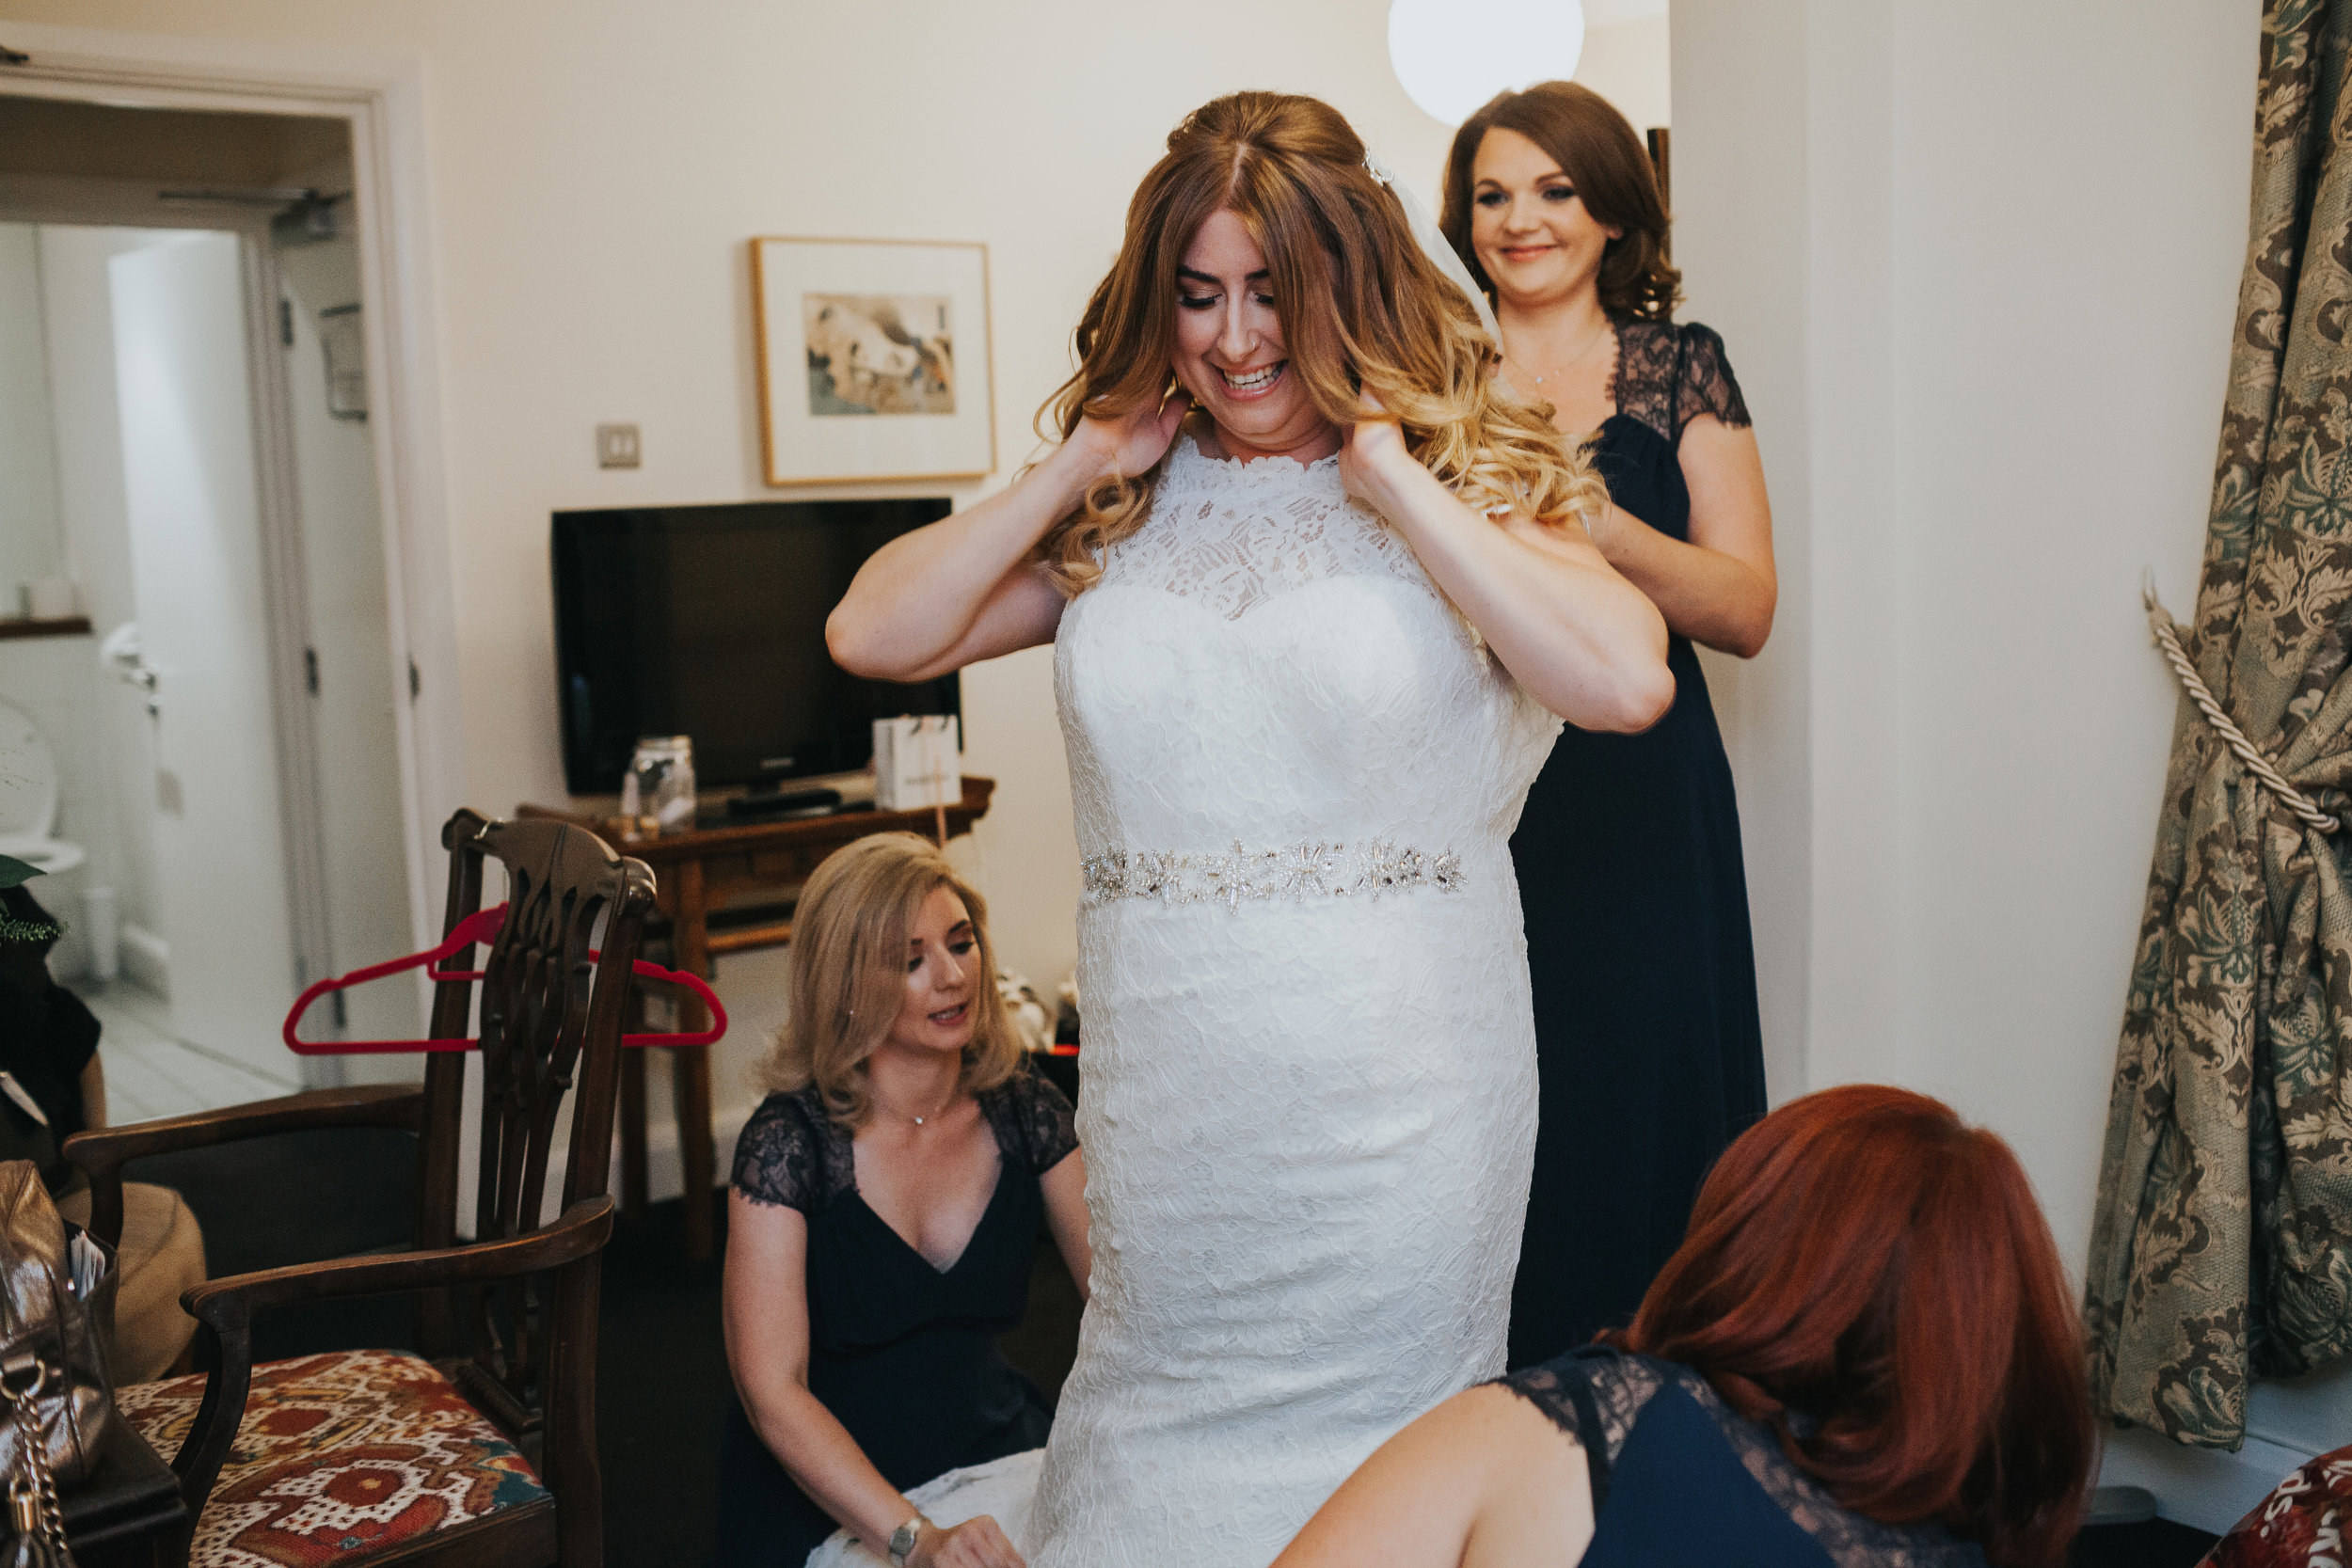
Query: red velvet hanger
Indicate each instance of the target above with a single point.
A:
(484, 926)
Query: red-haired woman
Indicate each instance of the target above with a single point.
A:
(1865, 1352)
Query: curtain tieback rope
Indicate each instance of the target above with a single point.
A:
(2169, 641)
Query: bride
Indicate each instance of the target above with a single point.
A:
(1318, 585)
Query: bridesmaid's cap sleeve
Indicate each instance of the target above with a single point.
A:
(779, 1157)
(1043, 1125)
(1707, 386)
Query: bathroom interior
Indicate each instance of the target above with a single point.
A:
(197, 694)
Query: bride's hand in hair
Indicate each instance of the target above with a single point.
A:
(1372, 444)
(1132, 442)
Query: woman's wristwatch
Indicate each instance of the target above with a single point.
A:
(903, 1540)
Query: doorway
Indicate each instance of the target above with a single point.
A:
(217, 689)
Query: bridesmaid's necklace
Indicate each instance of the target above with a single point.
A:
(923, 1120)
(1590, 343)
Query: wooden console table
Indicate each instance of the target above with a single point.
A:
(695, 875)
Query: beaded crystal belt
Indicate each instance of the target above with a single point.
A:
(1300, 871)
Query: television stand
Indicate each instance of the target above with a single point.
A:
(695, 872)
(765, 805)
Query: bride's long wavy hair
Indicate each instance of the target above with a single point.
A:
(1360, 307)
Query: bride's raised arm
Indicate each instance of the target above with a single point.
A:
(965, 588)
(1582, 639)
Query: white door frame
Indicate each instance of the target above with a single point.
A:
(381, 95)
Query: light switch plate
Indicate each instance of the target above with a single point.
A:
(617, 446)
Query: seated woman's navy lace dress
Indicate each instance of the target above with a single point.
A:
(902, 1353)
(1680, 1479)
(1649, 1057)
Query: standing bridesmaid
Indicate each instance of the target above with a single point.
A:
(1648, 1047)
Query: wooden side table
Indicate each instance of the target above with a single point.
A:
(697, 874)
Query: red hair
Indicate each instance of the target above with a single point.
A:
(1864, 1262)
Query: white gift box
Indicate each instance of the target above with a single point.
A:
(917, 762)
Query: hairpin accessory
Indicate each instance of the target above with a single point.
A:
(1434, 244)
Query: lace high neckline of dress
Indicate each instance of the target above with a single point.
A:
(1269, 464)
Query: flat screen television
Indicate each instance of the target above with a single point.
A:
(709, 621)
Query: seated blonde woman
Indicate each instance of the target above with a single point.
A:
(885, 1204)
(1865, 1352)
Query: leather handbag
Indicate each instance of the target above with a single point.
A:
(53, 1359)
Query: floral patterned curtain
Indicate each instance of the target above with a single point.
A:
(2222, 1246)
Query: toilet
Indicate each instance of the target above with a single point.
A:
(29, 796)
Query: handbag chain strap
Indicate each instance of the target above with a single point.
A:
(33, 1490)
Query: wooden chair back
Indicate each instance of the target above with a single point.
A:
(553, 997)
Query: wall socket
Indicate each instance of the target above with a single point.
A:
(617, 446)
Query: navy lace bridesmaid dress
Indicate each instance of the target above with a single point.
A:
(1649, 1054)
(902, 1352)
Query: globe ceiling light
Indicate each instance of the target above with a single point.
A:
(1454, 55)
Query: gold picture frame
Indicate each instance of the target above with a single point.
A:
(875, 358)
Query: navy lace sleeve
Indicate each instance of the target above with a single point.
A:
(1707, 386)
(1594, 1396)
(1713, 1458)
(1032, 1116)
(783, 1154)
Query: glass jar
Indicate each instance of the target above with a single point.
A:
(661, 779)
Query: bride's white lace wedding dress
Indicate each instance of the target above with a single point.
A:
(1307, 1101)
(1309, 1092)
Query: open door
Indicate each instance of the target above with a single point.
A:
(197, 570)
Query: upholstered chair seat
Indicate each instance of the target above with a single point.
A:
(340, 1458)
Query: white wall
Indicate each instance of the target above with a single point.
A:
(1977, 267)
(30, 546)
(1627, 58)
(1744, 222)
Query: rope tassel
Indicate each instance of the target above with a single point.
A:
(2167, 638)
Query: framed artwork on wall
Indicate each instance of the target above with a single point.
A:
(873, 359)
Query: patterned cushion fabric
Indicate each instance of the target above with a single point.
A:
(2299, 1524)
(339, 1456)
